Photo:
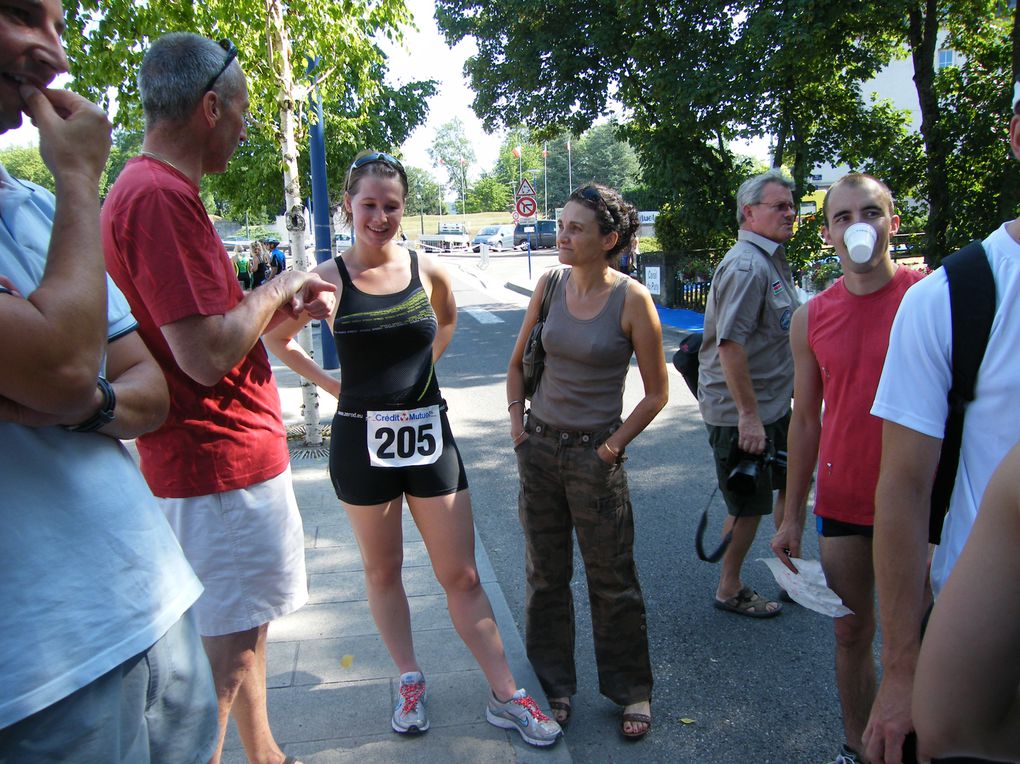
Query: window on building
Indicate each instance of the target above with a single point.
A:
(947, 58)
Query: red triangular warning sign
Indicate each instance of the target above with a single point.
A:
(525, 189)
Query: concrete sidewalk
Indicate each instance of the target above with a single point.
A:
(332, 685)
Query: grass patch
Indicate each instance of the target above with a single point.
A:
(412, 224)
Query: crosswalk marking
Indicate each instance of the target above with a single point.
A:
(483, 316)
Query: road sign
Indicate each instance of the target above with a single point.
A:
(526, 206)
(525, 189)
(516, 216)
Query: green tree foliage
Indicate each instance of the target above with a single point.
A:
(451, 146)
(24, 162)
(694, 77)
(451, 150)
(970, 183)
(489, 194)
(106, 40)
(598, 155)
(424, 194)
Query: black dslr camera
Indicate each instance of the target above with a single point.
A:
(745, 468)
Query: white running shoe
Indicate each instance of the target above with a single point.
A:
(522, 713)
(410, 716)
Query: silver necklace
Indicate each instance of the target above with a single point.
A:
(162, 160)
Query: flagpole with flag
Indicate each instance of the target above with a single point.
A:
(545, 175)
(518, 151)
(441, 199)
(570, 171)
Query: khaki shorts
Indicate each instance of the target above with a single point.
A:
(247, 547)
(771, 478)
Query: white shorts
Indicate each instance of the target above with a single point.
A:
(247, 547)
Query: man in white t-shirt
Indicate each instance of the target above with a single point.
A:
(911, 398)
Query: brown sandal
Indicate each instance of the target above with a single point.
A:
(748, 602)
(635, 718)
(561, 707)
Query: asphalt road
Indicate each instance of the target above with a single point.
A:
(728, 688)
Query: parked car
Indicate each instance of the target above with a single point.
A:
(498, 237)
(541, 234)
(230, 242)
(343, 241)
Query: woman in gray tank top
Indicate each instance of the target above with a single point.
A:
(570, 456)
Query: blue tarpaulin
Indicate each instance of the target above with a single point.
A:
(688, 320)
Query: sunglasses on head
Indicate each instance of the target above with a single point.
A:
(378, 156)
(231, 51)
(591, 194)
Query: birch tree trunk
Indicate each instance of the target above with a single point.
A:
(279, 54)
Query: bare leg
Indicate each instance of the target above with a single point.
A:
(381, 541)
(238, 663)
(779, 508)
(847, 562)
(744, 530)
(449, 534)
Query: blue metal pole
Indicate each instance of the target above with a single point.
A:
(320, 211)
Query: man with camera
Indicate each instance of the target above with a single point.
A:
(839, 341)
(746, 376)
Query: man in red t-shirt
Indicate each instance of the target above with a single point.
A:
(220, 464)
(839, 343)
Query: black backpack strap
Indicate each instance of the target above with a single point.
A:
(972, 306)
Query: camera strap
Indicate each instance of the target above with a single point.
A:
(699, 535)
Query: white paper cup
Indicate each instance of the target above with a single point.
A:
(860, 241)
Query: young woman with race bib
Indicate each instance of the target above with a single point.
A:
(391, 441)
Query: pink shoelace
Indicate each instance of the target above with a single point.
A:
(411, 693)
(531, 707)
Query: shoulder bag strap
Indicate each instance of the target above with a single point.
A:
(550, 287)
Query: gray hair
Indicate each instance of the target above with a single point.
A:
(175, 72)
(750, 190)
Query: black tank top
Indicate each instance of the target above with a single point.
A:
(384, 344)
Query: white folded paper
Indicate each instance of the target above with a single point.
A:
(807, 587)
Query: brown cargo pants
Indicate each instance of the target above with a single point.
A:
(565, 487)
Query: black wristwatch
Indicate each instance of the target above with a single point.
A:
(104, 415)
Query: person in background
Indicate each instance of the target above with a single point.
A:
(395, 317)
(262, 270)
(570, 453)
(839, 341)
(242, 267)
(277, 260)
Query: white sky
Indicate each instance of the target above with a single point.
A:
(425, 56)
